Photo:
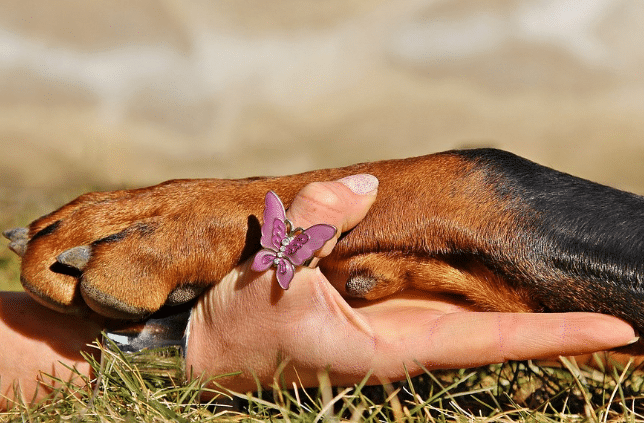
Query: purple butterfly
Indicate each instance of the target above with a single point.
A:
(284, 246)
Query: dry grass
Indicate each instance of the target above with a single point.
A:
(500, 393)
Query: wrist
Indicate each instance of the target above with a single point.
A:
(216, 348)
(203, 358)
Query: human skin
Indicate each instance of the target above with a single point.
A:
(247, 323)
(314, 328)
(36, 340)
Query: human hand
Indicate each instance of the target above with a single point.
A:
(248, 323)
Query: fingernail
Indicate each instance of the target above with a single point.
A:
(361, 184)
(634, 340)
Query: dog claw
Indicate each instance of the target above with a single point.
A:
(19, 246)
(16, 234)
(76, 257)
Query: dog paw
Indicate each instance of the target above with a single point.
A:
(125, 254)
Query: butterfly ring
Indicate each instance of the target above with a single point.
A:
(285, 246)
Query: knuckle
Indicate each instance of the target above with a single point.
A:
(509, 333)
(322, 196)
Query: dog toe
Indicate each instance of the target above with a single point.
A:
(124, 277)
(110, 306)
(59, 294)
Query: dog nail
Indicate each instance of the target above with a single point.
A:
(361, 184)
(76, 257)
(19, 246)
(16, 234)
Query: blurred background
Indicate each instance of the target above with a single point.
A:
(108, 94)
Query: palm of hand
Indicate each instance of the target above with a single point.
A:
(248, 323)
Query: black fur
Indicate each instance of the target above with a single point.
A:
(582, 243)
(46, 230)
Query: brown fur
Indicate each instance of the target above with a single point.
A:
(177, 238)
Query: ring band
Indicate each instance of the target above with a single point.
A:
(285, 246)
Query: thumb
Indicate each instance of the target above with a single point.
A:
(342, 203)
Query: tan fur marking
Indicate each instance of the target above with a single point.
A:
(199, 229)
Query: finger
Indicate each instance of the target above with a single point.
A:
(343, 204)
(466, 339)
